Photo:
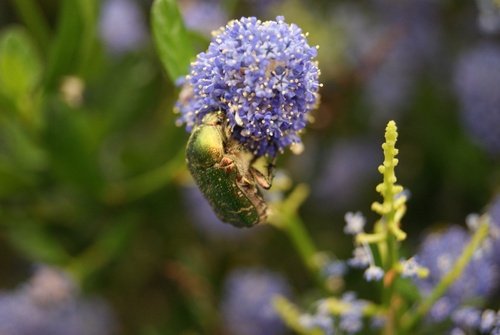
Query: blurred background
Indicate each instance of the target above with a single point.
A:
(93, 180)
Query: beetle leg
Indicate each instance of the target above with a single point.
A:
(265, 181)
(227, 164)
(244, 180)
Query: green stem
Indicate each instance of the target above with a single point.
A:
(286, 217)
(145, 184)
(410, 320)
(301, 240)
(31, 14)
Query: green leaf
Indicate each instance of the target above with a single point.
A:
(36, 243)
(21, 148)
(64, 52)
(12, 180)
(68, 141)
(20, 68)
(107, 247)
(171, 38)
(34, 19)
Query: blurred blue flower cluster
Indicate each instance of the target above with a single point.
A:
(50, 304)
(476, 77)
(439, 253)
(246, 303)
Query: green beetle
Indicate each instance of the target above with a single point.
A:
(224, 172)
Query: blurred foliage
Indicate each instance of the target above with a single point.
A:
(92, 172)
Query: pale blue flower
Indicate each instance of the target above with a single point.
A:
(411, 267)
(361, 257)
(373, 273)
(355, 223)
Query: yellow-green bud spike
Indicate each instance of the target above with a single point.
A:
(391, 208)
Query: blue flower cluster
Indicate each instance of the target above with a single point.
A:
(438, 253)
(202, 16)
(262, 75)
(489, 16)
(247, 302)
(477, 76)
(121, 26)
(49, 304)
(468, 319)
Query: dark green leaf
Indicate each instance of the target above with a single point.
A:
(171, 38)
(36, 243)
(68, 142)
(64, 51)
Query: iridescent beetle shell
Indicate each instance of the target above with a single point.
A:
(223, 171)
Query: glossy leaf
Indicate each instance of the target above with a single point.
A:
(171, 38)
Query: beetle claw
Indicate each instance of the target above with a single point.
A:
(226, 161)
(263, 181)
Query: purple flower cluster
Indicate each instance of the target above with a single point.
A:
(122, 26)
(202, 16)
(489, 16)
(49, 304)
(247, 302)
(262, 75)
(477, 77)
(494, 213)
(468, 319)
(438, 253)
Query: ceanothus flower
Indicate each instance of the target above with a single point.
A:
(439, 253)
(202, 16)
(122, 26)
(50, 304)
(489, 16)
(494, 213)
(471, 318)
(246, 304)
(262, 76)
(477, 77)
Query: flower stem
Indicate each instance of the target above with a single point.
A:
(286, 218)
(411, 319)
(300, 238)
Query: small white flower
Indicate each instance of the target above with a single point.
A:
(355, 223)
(373, 273)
